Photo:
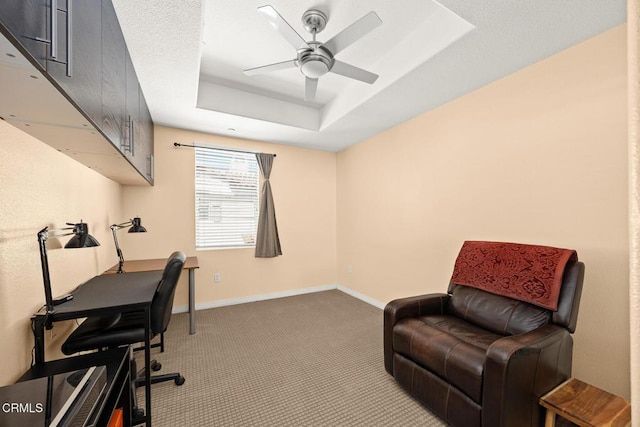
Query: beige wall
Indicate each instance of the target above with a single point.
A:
(537, 157)
(42, 187)
(304, 188)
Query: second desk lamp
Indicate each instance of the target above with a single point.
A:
(135, 226)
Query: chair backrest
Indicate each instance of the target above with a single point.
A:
(163, 299)
(508, 316)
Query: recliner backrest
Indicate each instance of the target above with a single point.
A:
(163, 300)
(496, 313)
(569, 300)
(508, 316)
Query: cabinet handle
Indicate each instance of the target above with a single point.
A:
(69, 37)
(150, 171)
(133, 137)
(54, 29)
(128, 145)
(131, 141)
(53, 24)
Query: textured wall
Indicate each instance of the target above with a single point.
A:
(539, 157)
(42, 187)
(633, 49)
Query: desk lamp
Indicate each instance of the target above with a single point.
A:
(135, 225)
(81, 239)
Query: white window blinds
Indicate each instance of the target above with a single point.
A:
(227, 186)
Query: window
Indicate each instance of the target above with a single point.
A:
(227, 186)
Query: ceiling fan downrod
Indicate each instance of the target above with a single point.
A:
(314, 61)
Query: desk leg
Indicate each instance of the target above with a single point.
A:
(550, 420)
(37, 326)
(147, 363)
(192, 302)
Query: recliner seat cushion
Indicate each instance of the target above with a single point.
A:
(449, 347)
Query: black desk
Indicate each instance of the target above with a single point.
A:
(117, 392)
(113, 293)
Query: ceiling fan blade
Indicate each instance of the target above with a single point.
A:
(353, 32)
(279, 23)
(352, 72)
(271, 67)
(310, 87)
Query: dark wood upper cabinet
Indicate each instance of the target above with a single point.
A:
(79, 46)
(29, 22)
(139, 148)
(131, 147)
(146, 137)
(114, 81)
(78, 67)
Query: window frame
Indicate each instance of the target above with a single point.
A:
(246, 183)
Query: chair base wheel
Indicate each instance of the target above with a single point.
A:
(155, 366)
(137, 416)
(179, 380)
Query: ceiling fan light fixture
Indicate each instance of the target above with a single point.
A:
(316, 61)
(314, 68)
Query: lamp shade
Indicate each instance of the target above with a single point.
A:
(136, 226)
(81, 238)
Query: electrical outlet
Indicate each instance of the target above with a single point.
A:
(349, 269)
(216, 277)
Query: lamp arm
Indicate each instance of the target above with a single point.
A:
(114, 229)
(121, 225)
(43, 235)
(78, 230)
(44, 261)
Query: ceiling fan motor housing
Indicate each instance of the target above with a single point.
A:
(315, 61)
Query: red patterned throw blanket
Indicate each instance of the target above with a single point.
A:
(527, 273)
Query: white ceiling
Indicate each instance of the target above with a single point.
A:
(189, 57)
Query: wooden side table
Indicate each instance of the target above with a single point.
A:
(585, 405)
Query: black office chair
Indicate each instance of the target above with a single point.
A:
(97, 333)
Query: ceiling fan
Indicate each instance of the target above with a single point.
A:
(314, 58)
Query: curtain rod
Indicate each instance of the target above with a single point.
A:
(177, 144)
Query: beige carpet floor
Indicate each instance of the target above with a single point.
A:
(308, 360)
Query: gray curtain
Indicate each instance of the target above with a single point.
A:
(267, 240)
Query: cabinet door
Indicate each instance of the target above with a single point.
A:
(113, 77)
(77, 69)
(133, 115)
(28, 21)
(146, 138)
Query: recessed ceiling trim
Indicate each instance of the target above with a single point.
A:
(441, 29)
(228, 100)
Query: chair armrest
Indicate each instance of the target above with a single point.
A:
(408, 307)
(521, 368)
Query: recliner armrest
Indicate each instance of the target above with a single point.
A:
(518, 367)
(415, 306)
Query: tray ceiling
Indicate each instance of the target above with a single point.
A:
(189, 57)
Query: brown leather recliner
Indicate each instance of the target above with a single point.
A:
(480, 359)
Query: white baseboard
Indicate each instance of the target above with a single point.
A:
(362, 297)
(253, 298)
(281, 294)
